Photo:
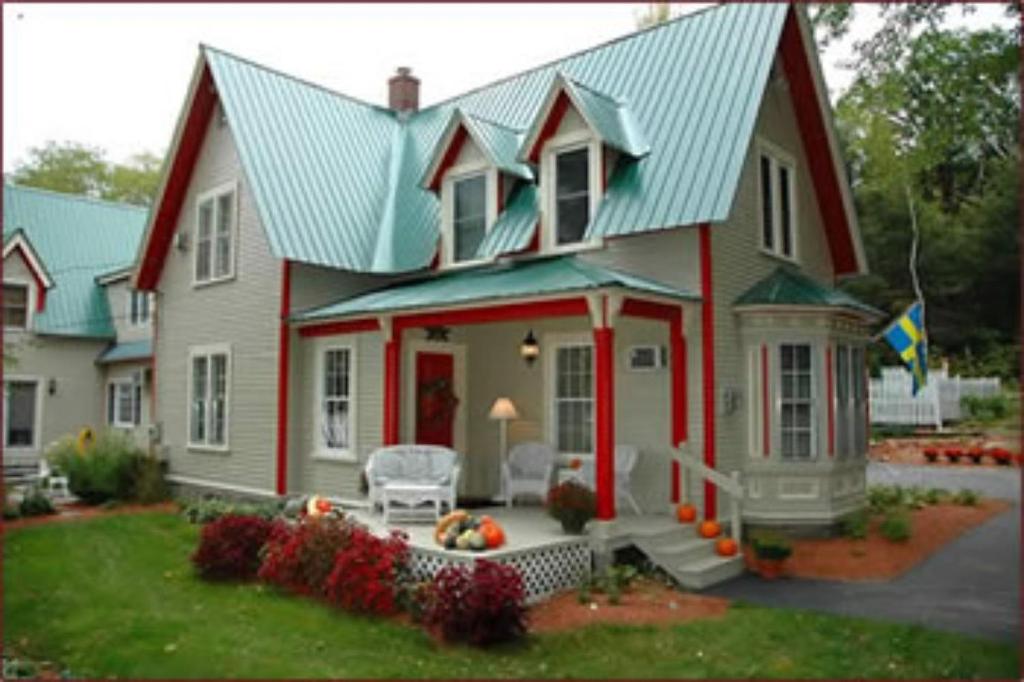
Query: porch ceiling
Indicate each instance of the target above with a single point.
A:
(522, 279)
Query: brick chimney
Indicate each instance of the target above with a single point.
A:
(404, 90)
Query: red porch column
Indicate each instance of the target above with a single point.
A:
(604, 367)
(677, 346)
(392, 374)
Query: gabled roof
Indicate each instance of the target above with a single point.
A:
(77, 239)
(19, 241)
(337, 182)
(498, 144)
(609, 117)
(788, 287)
(520, 279)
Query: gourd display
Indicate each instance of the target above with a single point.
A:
(709, 529)
(461, 530)
(686, 513)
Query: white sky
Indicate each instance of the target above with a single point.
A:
(114, 76)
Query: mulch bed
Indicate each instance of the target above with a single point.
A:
(876, 558)
(647, 602)
(77, 511)
(911, 451)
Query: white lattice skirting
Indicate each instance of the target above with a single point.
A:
(546, 570)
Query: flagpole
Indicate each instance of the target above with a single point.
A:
(913, 259)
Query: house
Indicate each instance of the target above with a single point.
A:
(77, 338)
(662, 220)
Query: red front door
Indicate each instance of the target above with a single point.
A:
(436, 402)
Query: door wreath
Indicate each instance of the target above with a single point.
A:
(437, 401)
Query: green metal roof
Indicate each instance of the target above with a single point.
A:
(514, 228)
(535, 277)
(788, 287)
(77, 238)
(337, 181)
(122, 352)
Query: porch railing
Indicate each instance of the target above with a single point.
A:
(729, 484)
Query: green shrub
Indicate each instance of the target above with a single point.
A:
(986, 409)
(966, 498)
(856, 525)
(934, 495)
(884, 497)
(11, 511)
(771, 545)
(206, 509)
(107, 471)
(35, 503)
(150, 486)
(896, 526)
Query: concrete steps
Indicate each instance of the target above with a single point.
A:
(690, 559)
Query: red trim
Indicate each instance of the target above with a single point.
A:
(828, 401)
(680, 400)
(152, 361)
(450, 154)
(562, 307)
(40, 297)
(766, 409)
(343, 327)
(283, 374)
(636, 307)
(166, 212)
(821, 167)
(554, 119)
(435, 263)
(36, 277)
(707, 312)
(501, 192)
(604, 345)
(392, 374)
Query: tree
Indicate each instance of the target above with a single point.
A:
(75, 168)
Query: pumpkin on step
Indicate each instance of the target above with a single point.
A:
(709, 529)
(686, 513)
(726, 547)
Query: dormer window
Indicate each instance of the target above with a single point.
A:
(469, 216)
(572, 195)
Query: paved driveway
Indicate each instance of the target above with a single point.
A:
(972, 586)
(1000, 482)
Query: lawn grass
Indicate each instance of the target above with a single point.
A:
(116, 596)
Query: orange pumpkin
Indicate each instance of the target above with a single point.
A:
(493, 534)
(709, 529)
(726, 547)
(686, 513)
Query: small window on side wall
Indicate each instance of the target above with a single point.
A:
(139, 308)
(15, 306)
(215, 222)
(778, 222)
(469, 216)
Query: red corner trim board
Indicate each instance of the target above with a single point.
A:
(707, 311)
(283, 375)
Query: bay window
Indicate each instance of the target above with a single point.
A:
(796, 401)
(850, 401)
(209, 378)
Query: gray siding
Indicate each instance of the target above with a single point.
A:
(242, 312)
(117, 298)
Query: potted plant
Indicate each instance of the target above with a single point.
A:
(771, 551)
(573, 504)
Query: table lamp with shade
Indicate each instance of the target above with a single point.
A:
(502, 411)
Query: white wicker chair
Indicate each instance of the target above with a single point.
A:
(626, 457)
(528, 471)
(423, 465)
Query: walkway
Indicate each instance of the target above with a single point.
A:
(971, 587)
(1000, 482)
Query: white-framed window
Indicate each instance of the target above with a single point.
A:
(335, 400)
(572, 399)
(22, 413)
(776, 172)
(124, 403)
(859, 382)
(216, 220)
(572, 186)
(209, 378)
(469, 215)
(17, 305)
(850, 400)
(796, 401)
(139, 308)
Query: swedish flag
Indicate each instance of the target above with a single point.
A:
(907, 336)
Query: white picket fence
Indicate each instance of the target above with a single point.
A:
(938, 403)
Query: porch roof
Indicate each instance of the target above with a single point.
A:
(787, 287)
(521, 279)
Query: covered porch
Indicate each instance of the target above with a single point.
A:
(583, 392)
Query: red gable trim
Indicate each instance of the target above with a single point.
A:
(822, 169)
(165, 213)
(450, 154)
(554, 119)
(37, 277)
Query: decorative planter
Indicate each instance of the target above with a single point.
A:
(954, 455)
(931, 455)
(770, 569)
(573, 526)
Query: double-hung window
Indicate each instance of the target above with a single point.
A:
(796, 379)
(209, 378)
(776, 178)
(851, 401)
(215, 230)
(572, 195)
(20, 413)
(469, 216)
(15, 306)
(139, 308)
(124, 403)
(574, 398)
(336, 405)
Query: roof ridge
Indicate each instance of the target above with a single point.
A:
(612, 41)
(490, 121)
(594, 91)
(75, 197)
(298, 79)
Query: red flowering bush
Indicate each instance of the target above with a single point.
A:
(229, 548)
(300, 557)
(480, 606)
(369, 573)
